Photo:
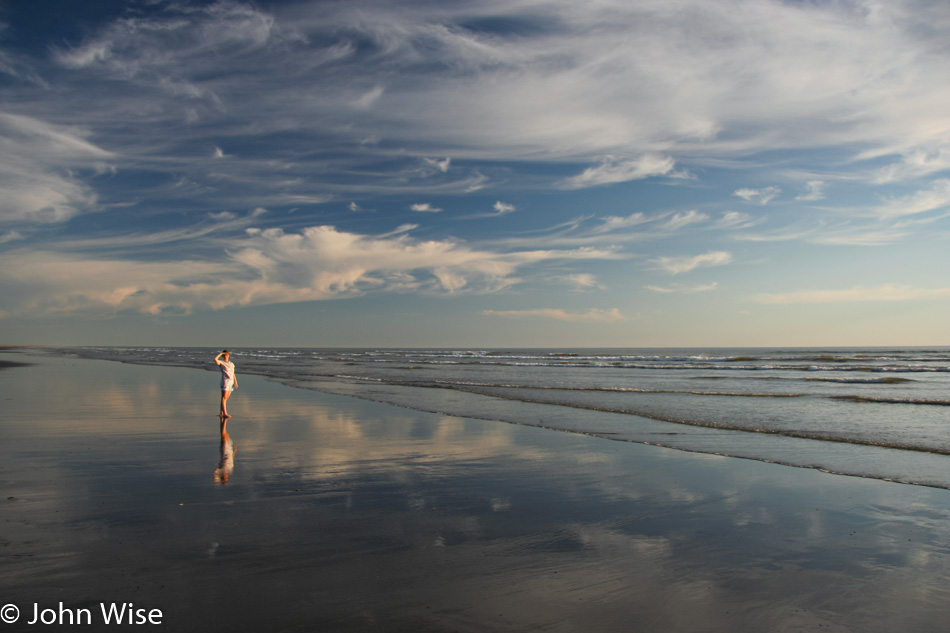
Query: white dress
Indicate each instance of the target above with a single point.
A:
(227, 375)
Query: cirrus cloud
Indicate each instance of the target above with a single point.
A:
(503, 208)
(720, 76)
(684, 289)
(758, 196)
(425, 207)
(612, 170)
(593, 315)
(37, 160)
(814, 190)
(679, 265)
(935, 198)
(886, 292)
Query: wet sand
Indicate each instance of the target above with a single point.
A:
(345, 515)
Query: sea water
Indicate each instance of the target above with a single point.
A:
(877, 412)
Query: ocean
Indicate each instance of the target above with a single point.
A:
(882, 413)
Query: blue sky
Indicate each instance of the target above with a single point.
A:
(475, 173)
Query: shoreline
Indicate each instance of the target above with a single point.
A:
(786, 448)
(352, 515)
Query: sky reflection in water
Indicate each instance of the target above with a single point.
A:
(353, 515)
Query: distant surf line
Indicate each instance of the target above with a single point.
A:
(472, 389)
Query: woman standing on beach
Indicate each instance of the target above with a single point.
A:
(228, 380)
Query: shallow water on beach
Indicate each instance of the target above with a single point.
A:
(879, 413)
(347, 515)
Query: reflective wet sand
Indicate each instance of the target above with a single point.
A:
(344, 515)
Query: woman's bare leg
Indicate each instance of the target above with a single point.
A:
(224, 403)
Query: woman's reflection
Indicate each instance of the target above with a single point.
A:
(223, 472)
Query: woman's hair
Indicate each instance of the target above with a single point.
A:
(225, 352)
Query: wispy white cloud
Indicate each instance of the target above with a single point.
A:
(680, 265)
(679, 220)
(425, 207)
(860, 236)
(937, 197)
(32, 196)
(441, 165)
(814, 190)
(10, 236)
(132, 46)
(637, 227)
(500, 209)
(128, 245)
(593, 315)
(402, 228)
(840, 233)
(581, 281)
(721, 76)
(613, 222)
(886, 292)
(369, 98)
(475, 182)
(503, 208)
(36, 163)
(612, 170)
(48, 141)
(323, 102)
(288, 199)
(917, 162)
(684, 289)
(660, 223)
(737, 220)
(758, 196)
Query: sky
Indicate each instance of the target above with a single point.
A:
(475, 173)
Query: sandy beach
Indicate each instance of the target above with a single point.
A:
(339, 514)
